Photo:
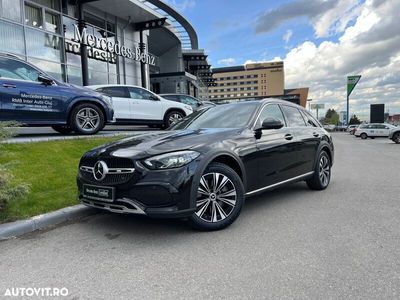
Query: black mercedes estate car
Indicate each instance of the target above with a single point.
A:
(205, 166)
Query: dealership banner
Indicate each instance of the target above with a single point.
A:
(352, 82)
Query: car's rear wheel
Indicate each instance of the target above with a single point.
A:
(63, 129)
(322, 173)
(396, 138)
(87, 119)
(220, 198)
(172, 117)
(363, 135)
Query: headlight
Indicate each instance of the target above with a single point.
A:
(188, 107)
(171, 160)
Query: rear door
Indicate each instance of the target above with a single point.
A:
(146, 105)
(304, 142)
(122, 102)
(24, 98)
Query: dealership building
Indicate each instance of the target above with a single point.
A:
(88, 42)
(254, 81)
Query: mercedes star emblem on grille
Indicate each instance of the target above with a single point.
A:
(100, 170)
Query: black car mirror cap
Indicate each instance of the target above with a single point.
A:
(154, 98)
(271, 123)
(45, 80)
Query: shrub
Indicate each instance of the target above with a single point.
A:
(8, 191)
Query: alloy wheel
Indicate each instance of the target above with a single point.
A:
(87, 119)
(324, 170)
(216, 197)
(173, 118)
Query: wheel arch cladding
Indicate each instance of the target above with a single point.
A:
(174, 109)
(79, 102)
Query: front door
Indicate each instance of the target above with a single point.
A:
(24, 98)
(276, 149)
(146, 105)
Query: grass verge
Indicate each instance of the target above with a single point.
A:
(50, 168)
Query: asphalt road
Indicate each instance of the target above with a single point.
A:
(291, 243)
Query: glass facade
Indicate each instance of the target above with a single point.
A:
(40, 31)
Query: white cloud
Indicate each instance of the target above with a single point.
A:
(326, 16)
(287, 36)
(181, 5)
(370, 47)
(227, 61)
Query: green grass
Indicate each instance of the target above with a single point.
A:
(50, 168)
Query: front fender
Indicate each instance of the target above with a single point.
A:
(205, 161)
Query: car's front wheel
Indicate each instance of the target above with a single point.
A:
(396, 138)
(322, 173)
(172, 118)
(63, 129)
(220, 198)
(87, 119)
(363, 135)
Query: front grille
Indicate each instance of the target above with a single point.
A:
(120, 170)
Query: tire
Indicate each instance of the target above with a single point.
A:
(396, 138)
(214, 213)
(364, 136)
(172, 117)
(322, 173)
(63, 129)
(87, 119)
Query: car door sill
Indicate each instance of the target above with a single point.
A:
(280, 183)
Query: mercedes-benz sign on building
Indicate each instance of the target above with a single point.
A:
(89, 42)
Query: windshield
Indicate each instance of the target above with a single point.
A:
(223, 116)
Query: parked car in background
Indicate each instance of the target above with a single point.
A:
(329, 127)
(205, 166)
(373, 130)
(352, 128)
(189, 100)
(135, 105)
(33, 98)
(394, 135)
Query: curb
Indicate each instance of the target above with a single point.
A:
(70, 137)
(17, 228)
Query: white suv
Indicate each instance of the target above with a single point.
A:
(137, 106)
(373, 130)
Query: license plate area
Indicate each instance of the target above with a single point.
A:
(102, 193)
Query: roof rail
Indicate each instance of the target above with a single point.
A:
(9, 55)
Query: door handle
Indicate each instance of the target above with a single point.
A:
(288, 137)
(7, 85)
(315, 134)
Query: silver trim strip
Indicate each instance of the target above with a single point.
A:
(110, 170)
(112, 206)
(279, 183)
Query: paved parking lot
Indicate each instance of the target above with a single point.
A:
(289, 243)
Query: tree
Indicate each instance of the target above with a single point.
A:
(8, 190)
(331, 117)
(354, 120)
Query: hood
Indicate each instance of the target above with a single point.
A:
(154, 143)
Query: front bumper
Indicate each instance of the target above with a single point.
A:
(155, 193)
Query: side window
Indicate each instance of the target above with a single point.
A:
(293, 116)
(14, 69)
(188, 100)
(271, 111)
(171, 98)
(310, 120)
(138, 93)
(115, 91)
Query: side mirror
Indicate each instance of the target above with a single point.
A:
(45, 80)
(271, 123)
(154, 98)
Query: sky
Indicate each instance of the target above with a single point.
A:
(320, 41)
